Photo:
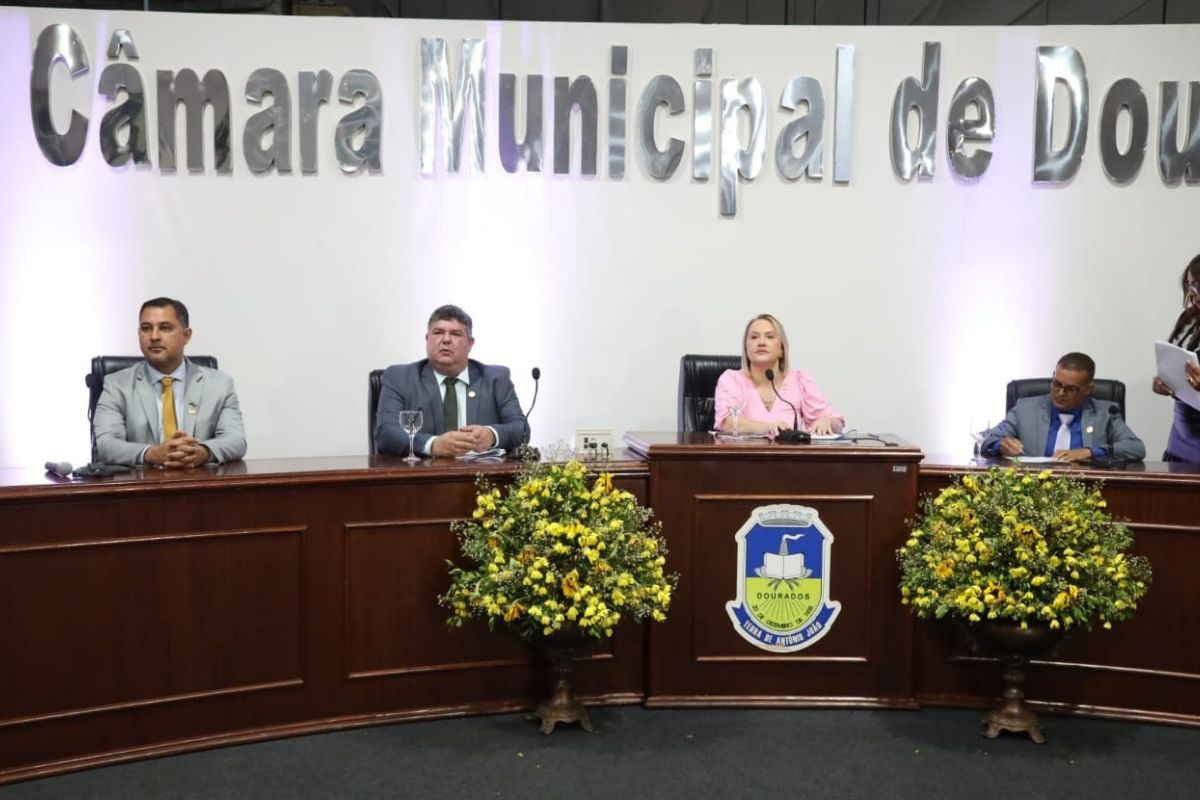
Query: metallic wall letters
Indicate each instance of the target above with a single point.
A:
(184, 87)
(1055, 64)
(662, 90)
(1124, 95)
(843, 125)
(277, 120)
(922, 97)
(439, 106)
(54, 44)
(702, 127)
(568, 96)
(528, 152)
(314, 89)
(960, 130)
(366, 120)
(122, 41)
(801, 91)
(130, 114)
(738, 95)
(444, 108)
(616, 112)
(1173, 164)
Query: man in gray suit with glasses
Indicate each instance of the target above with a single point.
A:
(1068, 424)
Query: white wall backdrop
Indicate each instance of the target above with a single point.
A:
(911, 304)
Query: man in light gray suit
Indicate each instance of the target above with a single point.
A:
(166, 411)
(466, 406)
(1068, 424)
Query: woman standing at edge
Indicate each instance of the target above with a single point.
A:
(765, 347)
(1183, 443)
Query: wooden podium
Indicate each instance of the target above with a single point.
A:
(704, 489)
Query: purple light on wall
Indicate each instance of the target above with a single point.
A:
(66, 240)
(996, 239)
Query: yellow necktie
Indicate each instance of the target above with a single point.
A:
(170, 424)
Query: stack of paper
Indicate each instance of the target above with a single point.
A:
(494, 454)
(1170, 360)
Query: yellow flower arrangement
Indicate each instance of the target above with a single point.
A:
(1028, 547)
(560, 547)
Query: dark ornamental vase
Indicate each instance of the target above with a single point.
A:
(1015, 646)
(561, 648)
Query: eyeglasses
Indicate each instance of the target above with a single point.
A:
(1058, 386)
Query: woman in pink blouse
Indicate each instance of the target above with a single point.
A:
(765, 347)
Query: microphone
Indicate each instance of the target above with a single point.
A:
(60, 468)
(795, 435)
(1112, 460)
(524, 451)
(537, 375)
(98, 469)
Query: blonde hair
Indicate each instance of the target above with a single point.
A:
(783, 342)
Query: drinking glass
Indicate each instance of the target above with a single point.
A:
(736, 413)
(558, 451)
(411, 422)
(978, 433)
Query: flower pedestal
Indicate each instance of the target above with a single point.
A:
(561, 649)
(1008, 548)
(1015, 646)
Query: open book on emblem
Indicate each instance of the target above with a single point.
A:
(783, 567)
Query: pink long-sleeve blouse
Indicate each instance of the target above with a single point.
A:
(734, 388)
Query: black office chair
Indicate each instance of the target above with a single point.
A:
(1106, 389)
(374, 389)
(698, 377)
(104, 365)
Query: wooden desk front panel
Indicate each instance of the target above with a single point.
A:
(1147, 667)
(148, 618)
(163, 613)
(698, 657)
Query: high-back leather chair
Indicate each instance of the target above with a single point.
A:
(374, 389)
(698, 377)
(105, 365)
(1106, 389)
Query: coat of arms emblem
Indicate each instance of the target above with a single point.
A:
(782, 602)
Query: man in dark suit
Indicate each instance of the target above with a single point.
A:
(466, 406)
(1068, 424)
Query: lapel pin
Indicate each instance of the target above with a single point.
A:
(1089, 429)
(192, 410)
(471, 394)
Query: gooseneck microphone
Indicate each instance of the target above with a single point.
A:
(60, 468)
(524, 451)
(795, 435)
(537, 376)
(1112, 460)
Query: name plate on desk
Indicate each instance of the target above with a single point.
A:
(782, 602)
